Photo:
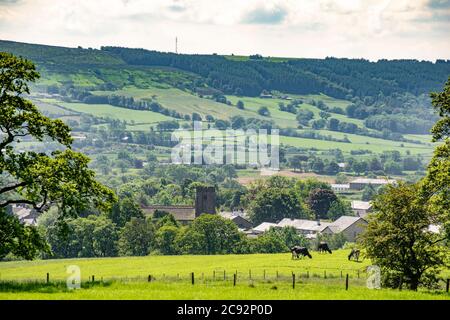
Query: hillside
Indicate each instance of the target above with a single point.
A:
(328, 110)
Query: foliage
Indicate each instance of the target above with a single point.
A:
(38, 179)
(320, 202)
(124, 210)
(136, 237)
(19, 239)
(398, 240)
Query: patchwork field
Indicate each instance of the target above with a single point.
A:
(259, 276)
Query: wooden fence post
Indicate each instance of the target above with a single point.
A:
(234, 280)
(93, 278)
(224, 276)
(250, 274)
(264, 274)
(325, 274)
(341, 274)
(346, 282)
(149, 279)
(48, 277)
(214, 275)
(307, 274)
(277, 274)
(192, 278)
(447, 287)
(293, 280)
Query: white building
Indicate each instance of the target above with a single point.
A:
(361, 183)
(337, 187)
(263, 227)
(361, 208)
(308, 228)
(350, 227)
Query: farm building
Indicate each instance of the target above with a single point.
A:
(361, 183)
(205, 202)
(350, 227)
(263, 227)
(238, 218)
(361, 208)
(309, 228)
(340, 187)
(24, 213)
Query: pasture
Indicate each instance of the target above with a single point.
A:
(258, 276)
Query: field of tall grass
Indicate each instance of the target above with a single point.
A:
(255, 276)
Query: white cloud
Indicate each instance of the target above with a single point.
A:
(303, 28)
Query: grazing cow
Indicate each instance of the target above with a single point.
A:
(298, 252)
(354, 254)
(323, 247)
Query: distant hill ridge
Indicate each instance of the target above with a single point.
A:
(336, 77)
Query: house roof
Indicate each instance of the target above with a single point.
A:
(263, 227)
(305, 225)
(234, 216)
(344, 222)
(361, 205)
(374, 181)
(180, 213)
(340, 185)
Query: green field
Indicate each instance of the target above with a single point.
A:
(108, 111)
(259, 276)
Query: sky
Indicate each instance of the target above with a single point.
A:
(370, 29)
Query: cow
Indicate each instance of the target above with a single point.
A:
(298, 252)
(323, 247)
(354, 254)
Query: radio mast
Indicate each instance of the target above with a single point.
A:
(176, 45)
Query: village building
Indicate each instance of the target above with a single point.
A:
(336, 187)
(25, 214)
(205, 202)
(361, 208)
(350, 227)
(263, 227)
(361, 183)
(308, 228)
(239, 218)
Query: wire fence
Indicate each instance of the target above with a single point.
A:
(346, 278)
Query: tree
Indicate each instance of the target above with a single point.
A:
(397, 238)
(333, 124)
(318, 124)
(339, 208)
(332, 168)
(165, 239)
(240, 105)
(124, 210)
(436, 184)
(391, 167)
(136, 237)
(210, 234)
(303, 116)
(273, 204)
(18, 239)
(94, 236)
(320, 201)
(39, 180)
(264, 111)
(369, 192)
(237, 122)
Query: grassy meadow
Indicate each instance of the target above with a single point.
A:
(259, 276)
